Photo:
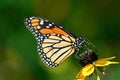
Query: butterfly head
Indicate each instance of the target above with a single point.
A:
(79, 42)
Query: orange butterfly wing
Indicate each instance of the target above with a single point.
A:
(54, 42)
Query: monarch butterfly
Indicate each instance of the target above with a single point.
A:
(54, 43)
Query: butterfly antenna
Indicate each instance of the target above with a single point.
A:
(90, 45)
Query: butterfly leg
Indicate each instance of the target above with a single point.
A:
(76, 54)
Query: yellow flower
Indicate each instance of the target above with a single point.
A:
(88, 69)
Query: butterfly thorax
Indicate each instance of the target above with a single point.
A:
(78, 43)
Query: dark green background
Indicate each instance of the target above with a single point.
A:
(97, 20)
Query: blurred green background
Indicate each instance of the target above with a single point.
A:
(99, 21)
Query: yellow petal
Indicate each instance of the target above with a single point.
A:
(80, 76)
(112, 62)
(79, 79)
(87, 70)
(102, 63)
(106, 59)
